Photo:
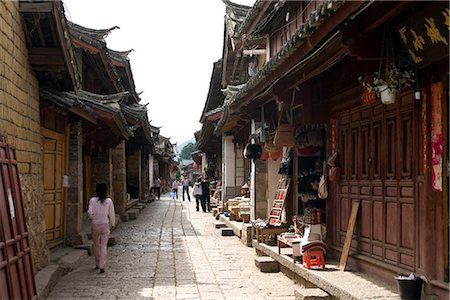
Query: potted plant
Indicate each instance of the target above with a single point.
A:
(387, 85)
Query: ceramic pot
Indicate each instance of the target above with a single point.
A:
(387, 94)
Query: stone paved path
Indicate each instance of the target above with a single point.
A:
(172, 251)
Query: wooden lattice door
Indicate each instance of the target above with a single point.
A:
(378, 160)
(16, 272)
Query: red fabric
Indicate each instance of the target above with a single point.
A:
(309, 151)
(275, 155)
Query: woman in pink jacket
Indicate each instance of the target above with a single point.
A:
(101, 213)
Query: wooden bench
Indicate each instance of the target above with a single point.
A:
(293, 243)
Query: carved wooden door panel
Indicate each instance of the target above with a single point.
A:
(16, 272)
(53, 166)
(377, 147)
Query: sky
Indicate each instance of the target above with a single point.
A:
(175, 45)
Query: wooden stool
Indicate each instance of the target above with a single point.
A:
(313, 258)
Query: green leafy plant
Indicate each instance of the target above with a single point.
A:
(394, 78)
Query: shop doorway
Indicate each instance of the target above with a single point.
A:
(53, 165)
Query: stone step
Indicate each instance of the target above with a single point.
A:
(267, 264)
(71, 260)
(112, 240)
(219, 224)
(227, 232)
(132, 214)
(86, 246)
(311, 294)
(140, 205)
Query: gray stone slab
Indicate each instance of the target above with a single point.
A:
(267, 264)
(219, 224)
(132, 214)
(46, 279)
(72, 259)
(311, 294)
(227, 232)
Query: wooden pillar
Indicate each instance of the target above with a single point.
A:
(228, 167)
(134, 174)
(258, 188)
(119, 179)
(74, 211)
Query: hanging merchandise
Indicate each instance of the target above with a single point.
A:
(264, 153)
(334, 174)
(331, 161)
(273, 150)
(323, 186)
(286, 162)
(252, 151)
(284, 133)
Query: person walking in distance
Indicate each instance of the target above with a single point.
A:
(175, 185)
(186, 185)
(163, 185)
(198, 192)
(157, 187)
(206, 196)
(101, 214)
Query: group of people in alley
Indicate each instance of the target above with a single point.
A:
(200, 192)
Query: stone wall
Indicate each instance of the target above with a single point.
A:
(19, 120)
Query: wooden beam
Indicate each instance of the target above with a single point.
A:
(37, 19)
(349, 236)
(46, 56)
(78, 111)
(25, 7)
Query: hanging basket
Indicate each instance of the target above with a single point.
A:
(387, 94)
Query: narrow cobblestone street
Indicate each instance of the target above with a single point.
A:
(171, 251)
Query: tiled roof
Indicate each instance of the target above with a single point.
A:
(215, 97)
(91, 103)
(96, 38)
(235, 16)
(317, 17)
(298, 39)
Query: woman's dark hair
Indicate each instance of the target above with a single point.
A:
(101, 191)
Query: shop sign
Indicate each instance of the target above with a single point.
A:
(426, 34)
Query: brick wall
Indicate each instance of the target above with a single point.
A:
(19, 119)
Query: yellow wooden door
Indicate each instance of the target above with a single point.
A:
(53, 171)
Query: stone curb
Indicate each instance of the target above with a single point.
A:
(47, 278)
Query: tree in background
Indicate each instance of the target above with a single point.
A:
(187, 150)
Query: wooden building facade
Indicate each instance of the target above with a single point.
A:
(393, 157)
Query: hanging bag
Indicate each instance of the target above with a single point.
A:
(284, 133)
(323, 188)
